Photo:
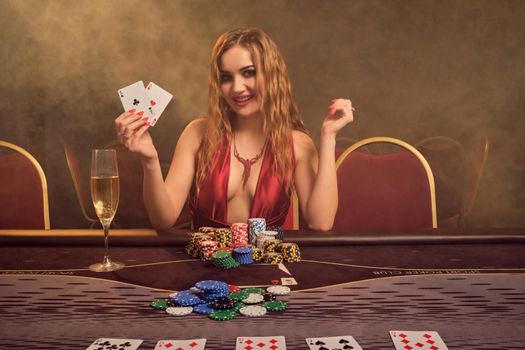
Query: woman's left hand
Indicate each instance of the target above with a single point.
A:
(340, 113)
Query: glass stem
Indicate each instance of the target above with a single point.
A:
(107, 260)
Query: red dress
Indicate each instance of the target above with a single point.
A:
(271, 200)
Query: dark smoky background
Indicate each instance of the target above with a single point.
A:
(413, 69)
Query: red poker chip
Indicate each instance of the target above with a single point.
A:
(233, 288)
(275, 282)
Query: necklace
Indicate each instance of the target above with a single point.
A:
(246, 163)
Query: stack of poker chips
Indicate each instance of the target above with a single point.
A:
(222, 302)
(279, 230)
(223, 236)
(257, 254)
(223, 259)
(239, 234)
(243, 255)
(271, 245)
(193, 248)
(264, 236)
(272, 258)
(255, 226)
(207, 248)
(290, 252)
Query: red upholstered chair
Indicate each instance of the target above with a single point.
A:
(84, 198)
(23, 190)
(384, 191)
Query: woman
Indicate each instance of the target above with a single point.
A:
(243, 159)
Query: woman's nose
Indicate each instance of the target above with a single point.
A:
(238, 85)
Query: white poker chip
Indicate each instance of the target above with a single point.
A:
(253, 298)
(278, 290)
(179, 311)
(253, 311)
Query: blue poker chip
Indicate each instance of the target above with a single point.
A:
(202, 309)
(211, 285)
(186, 298)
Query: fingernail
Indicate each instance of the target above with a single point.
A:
(145, 119)
(132, 110)
(140, 113)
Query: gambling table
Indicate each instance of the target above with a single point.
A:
(466, 284)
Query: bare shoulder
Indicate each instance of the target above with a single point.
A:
(193, 133)
(304, 146)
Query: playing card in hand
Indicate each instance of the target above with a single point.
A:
(261, 343)
(115, 344)
(134, 97)
(158, 99)
(191, 344)
(421, 340)
(345, 342)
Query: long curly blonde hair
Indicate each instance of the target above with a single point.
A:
(280, 112)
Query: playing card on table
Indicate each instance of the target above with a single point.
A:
(344, 342)
(191, 344)
(158, 99)
(424, 340)
(288, 281)
(260, 343)
(115, 344)
(134, 97)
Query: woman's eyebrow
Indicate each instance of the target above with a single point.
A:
(240, 70)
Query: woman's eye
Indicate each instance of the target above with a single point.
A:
(224, 78)
(249, 73)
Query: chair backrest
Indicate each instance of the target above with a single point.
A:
(84, 199)
(23, 190)
(385, 191)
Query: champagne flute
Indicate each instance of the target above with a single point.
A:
(105, 190)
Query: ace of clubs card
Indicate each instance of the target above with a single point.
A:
(345, 342)
(115, 344)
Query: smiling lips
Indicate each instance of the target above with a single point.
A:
(242, 101)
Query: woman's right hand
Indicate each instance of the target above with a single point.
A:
(132, 132)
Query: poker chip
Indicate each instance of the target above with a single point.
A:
(269, 297)
(253, 298)
(238, 306)
(159, 304)
(243, 255)
(257, 254)
(222, 315)
(255, 290)
(210, 285)
(238, 296)
(271, 245)
(186, 298)
(239, 234)
(224, 259)
(279, 230)
(253, 311)
(290, 252)
(232, 288)
(255, 226)
(202, 309)
(275, 305)
(179, 311)
(272, 258)
(223, 303)
(278, 290)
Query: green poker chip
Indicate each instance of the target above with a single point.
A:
(223, 315)
(253, 290)
(238, 295)
(238, 306)
(160, 304)
(275, 305)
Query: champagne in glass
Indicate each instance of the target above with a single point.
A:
(105, 191)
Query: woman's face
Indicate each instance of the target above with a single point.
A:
(237, 81)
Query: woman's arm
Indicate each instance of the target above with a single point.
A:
(164, 200)
(315, 176)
